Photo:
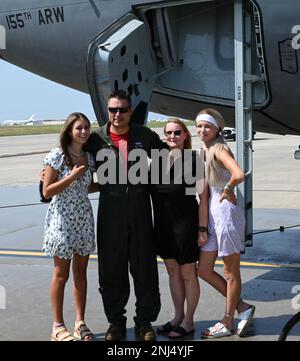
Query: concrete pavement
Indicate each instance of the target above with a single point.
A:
(270, 269)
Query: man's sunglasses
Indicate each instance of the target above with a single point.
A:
(116, 110)
(177, 133)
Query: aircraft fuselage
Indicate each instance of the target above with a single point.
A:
(52, 39)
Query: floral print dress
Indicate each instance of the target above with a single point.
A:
(69, 224)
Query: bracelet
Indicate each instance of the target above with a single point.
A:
(229, 187)
(203, 229)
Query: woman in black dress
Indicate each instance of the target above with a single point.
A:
(176, 227)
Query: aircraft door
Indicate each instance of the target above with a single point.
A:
(121, 58)
(193, 43)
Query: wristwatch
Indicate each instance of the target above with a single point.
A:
(229, 187)
(203, 229)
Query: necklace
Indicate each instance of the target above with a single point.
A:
(74, 154)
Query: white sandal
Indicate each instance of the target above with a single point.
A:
(82, 332)
(216, 331)
(61, 334)
(245, 319)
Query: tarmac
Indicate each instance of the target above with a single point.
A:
(270, 268)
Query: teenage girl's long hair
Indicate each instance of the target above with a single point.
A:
(212, 166)
(188, 142)
(65, 138)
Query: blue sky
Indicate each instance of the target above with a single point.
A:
(23, 94)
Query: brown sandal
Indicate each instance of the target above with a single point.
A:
(61, 334)
(82, 332)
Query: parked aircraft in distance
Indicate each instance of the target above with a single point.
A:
(30, 121)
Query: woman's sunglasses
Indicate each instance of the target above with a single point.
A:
(177, 133)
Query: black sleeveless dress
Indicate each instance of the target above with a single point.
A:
(176, 214)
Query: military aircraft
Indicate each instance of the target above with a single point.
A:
(175, 57)
(30, 120)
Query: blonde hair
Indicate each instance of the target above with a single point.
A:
(188, 141)
(212, 167)
(215, 114)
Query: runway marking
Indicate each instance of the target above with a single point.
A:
(30, 254)
(254, 264)
(24, 154)
(39, 254)
(21, 253)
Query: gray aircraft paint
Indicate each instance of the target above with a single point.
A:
(51, 38)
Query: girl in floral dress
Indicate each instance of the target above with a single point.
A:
(69, 225)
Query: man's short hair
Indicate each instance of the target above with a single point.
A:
(121, 94)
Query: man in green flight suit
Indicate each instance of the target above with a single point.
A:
(124, 227)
